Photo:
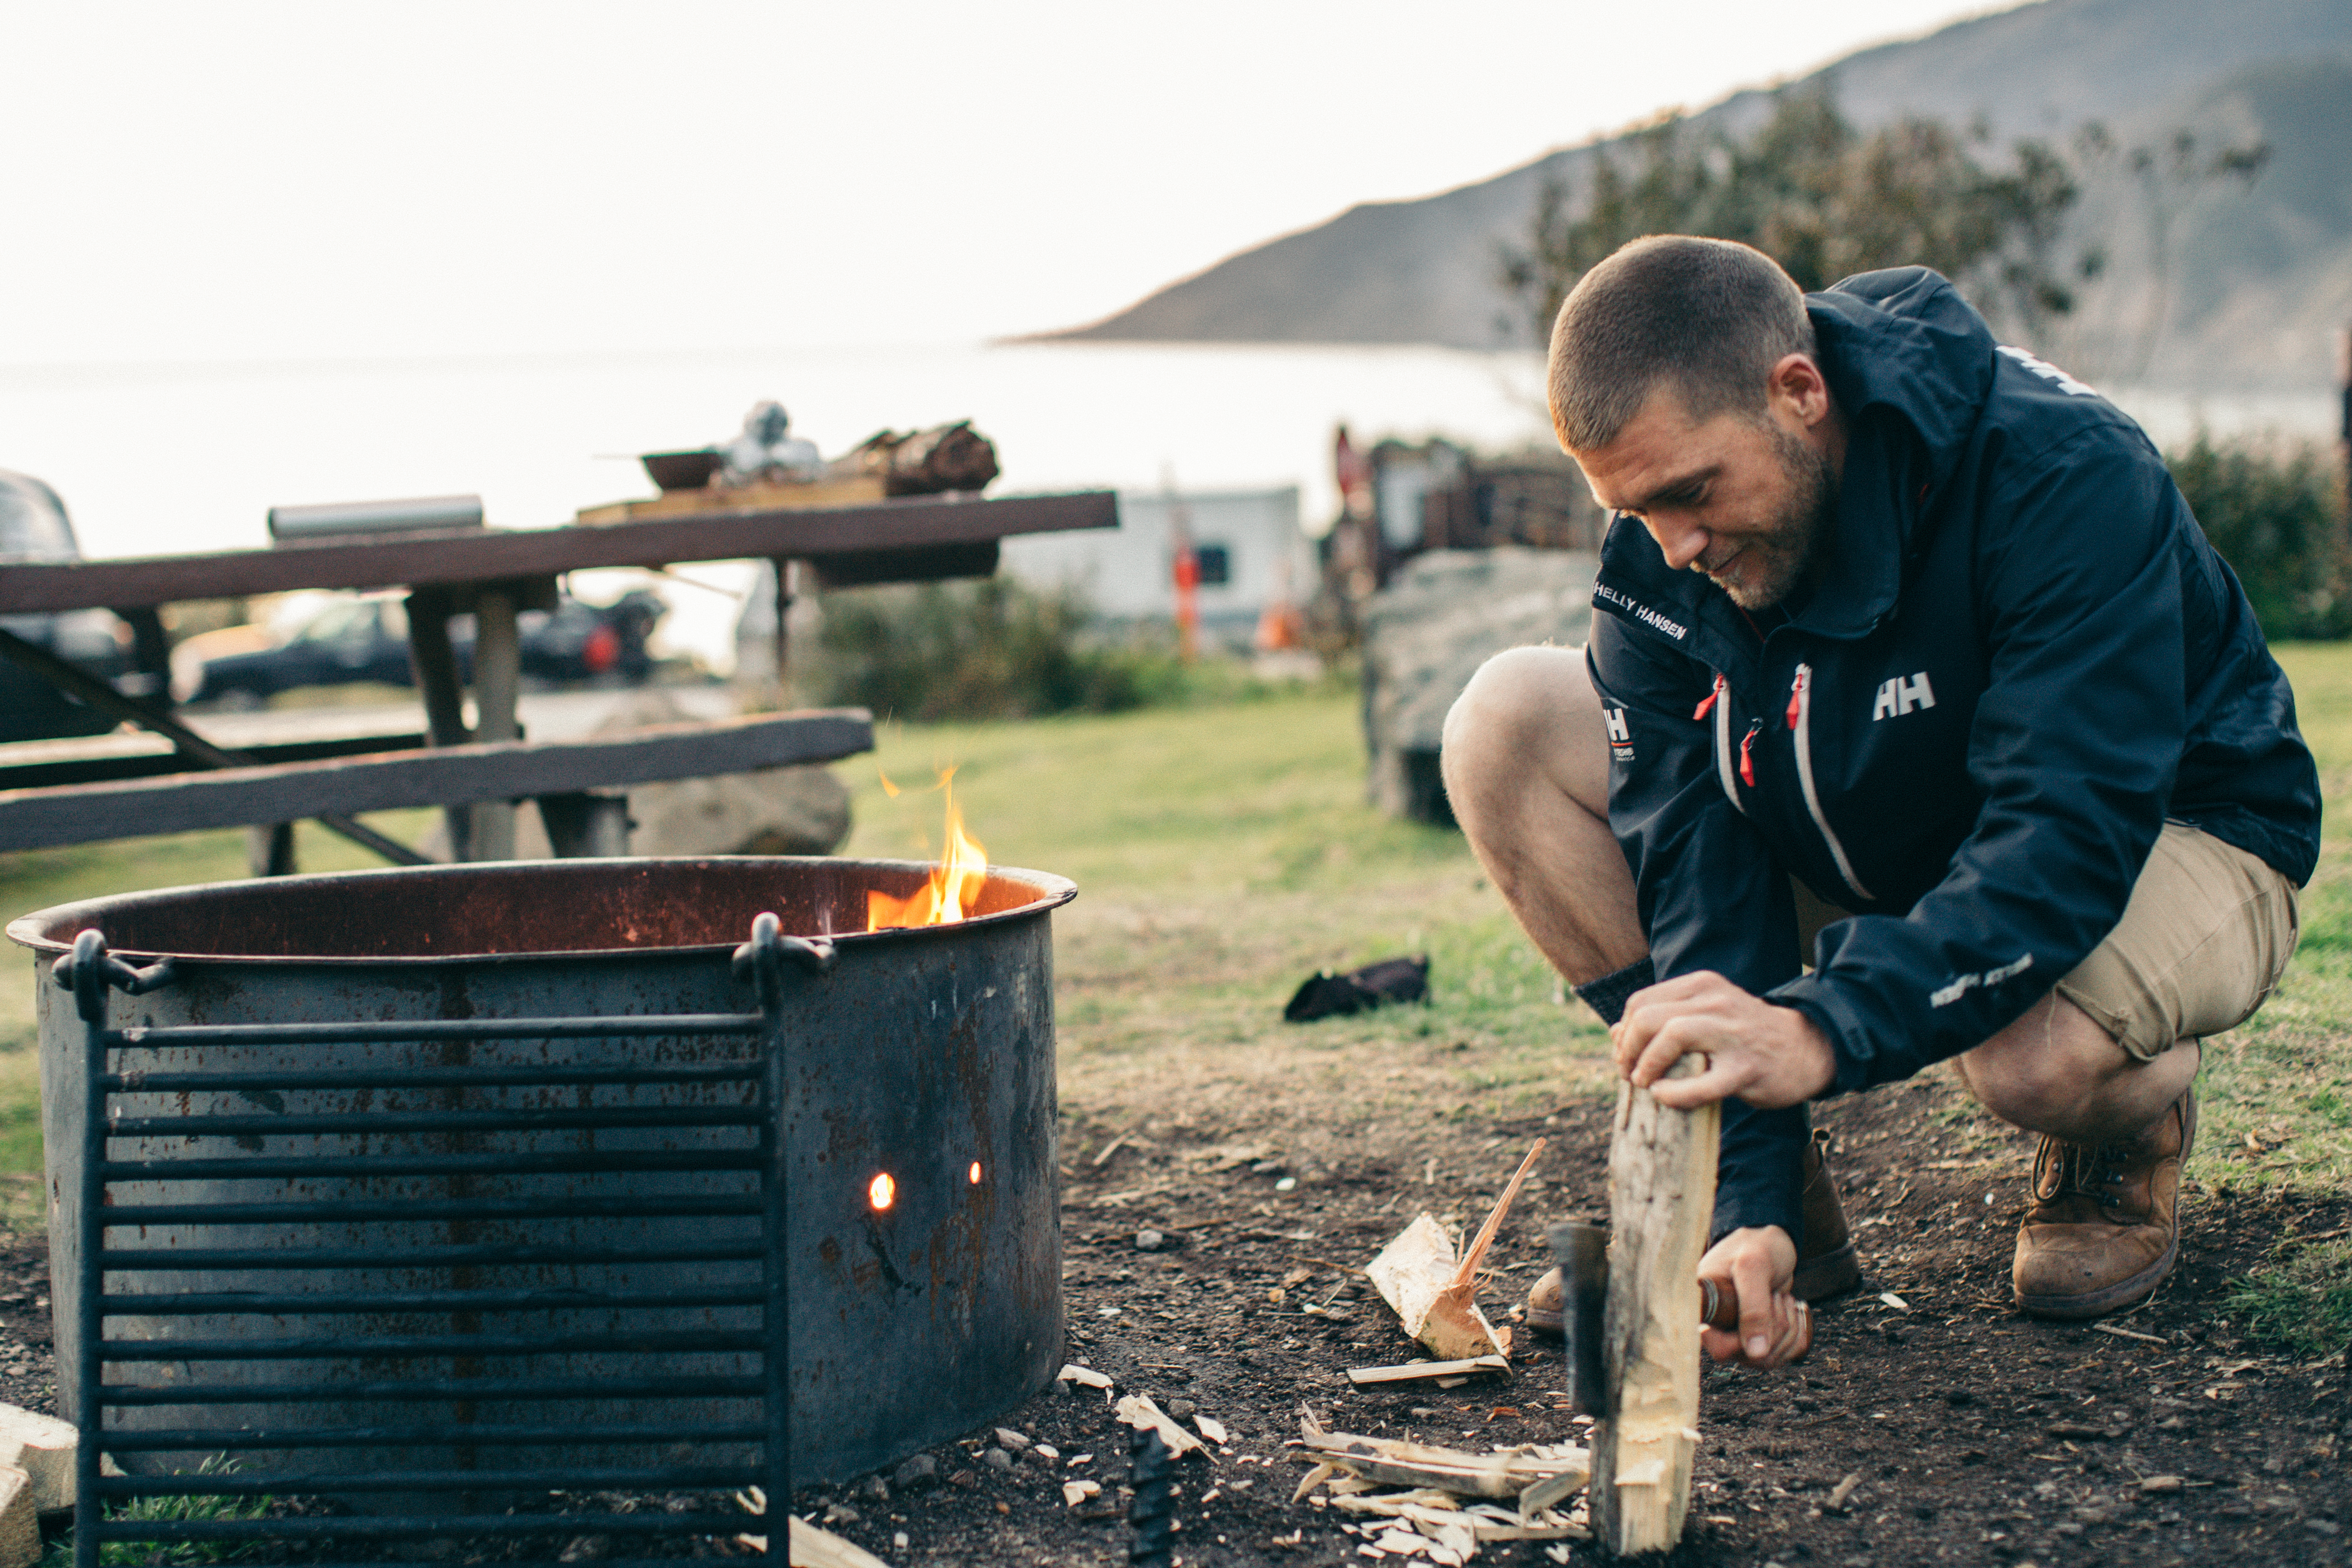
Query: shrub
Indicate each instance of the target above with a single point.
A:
(990, 649)
(2276, 514)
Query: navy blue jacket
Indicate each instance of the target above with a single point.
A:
(2019, 658)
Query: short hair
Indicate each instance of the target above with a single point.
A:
(1709, 315)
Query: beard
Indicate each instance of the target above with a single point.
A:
(1774, 558)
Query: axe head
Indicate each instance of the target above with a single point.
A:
(1581, 1250)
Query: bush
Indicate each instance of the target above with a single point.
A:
(2276, 514)
(989, 649)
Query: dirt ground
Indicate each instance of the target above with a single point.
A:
(1944, 1408)
(1977, 1437)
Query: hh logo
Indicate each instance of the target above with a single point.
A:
(1620, 734)
(1900, 695)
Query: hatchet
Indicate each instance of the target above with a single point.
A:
(1581, 1250)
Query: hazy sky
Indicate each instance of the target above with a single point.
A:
(254, 181)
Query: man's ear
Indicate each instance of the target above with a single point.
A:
(1797, 390)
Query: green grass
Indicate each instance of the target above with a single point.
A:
(2302, 1301)
(171, 1554)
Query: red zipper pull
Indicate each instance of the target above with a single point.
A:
(1797, 693)
(1707, 703)
(1746, 759)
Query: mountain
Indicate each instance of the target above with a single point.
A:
(2247, 283)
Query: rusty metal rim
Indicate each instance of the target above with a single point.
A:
(25, 931)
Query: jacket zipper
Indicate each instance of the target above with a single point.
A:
(1720, 700)
(1800, 715)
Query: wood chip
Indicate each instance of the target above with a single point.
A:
(1894, 1300)
(1076, 1492)
(2149, 1484)
(1087, 1375)
(1137, 1411)
(1842, 1493)
(2081, 1429)
(1413, 1372)
(1213, 1429)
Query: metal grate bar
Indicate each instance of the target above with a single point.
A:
(403, 1032)
(297, 1482)
(134, 1082)
(350, 1165)
(284, 1303)
(716, 1205)
(476, 1303)
(677, 1342)
(122, 1396)
(394, 1526)
(434, 1121)
(205, 1439)
(178, 1258)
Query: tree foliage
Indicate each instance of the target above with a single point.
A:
(1823, 199)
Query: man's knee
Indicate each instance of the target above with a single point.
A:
(2054, 1069)
(1521, 704)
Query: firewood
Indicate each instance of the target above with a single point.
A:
(1452, 1471)
(20, 1527)
(1432, 1291)
(815, 1548)
(1413, 1372)
(1661, 1197)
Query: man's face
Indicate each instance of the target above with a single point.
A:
(1747, 498)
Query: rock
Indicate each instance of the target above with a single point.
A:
(917, 1473)
(43, 1447)
(996, 1459)
(1182, 1409)
(775, 811)
(1006, 1437)
(1149, 1241)
(872, 1490)
(1445, 614)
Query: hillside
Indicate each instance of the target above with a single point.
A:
(2255, 281)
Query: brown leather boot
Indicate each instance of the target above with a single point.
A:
(2106, 1222)
(1826, 1261)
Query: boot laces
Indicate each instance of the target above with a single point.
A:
(2094, 1171)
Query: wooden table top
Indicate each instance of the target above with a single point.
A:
(489, 555)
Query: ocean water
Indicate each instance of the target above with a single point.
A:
(167, 458)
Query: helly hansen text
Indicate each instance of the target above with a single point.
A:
(1903, 694)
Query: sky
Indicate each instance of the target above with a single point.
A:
(242, 181)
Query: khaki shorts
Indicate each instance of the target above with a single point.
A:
(2201, 944)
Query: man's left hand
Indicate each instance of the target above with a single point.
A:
(1768, 1056)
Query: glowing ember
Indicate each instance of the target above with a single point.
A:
(949, 892)
(882, 1192)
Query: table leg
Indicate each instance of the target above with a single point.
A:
(583, 824)
(436, 664)
(269, 850)
(498, 683)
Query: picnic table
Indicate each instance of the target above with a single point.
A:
(476, 772)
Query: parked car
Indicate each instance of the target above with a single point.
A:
(365, 637)
(34, 527)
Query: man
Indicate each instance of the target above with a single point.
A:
(1907, 662)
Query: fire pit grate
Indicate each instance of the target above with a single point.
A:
(516, 1377)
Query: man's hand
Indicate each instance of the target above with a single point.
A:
(1760, 1264)
(1768, 1056)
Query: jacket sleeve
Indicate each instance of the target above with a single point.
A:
(1711, 894)
(2073, 751)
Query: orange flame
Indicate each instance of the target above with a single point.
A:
(949, 892)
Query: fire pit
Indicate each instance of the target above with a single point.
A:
(917, 1134)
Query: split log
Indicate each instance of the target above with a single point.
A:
(20, 1527)
(1661, 1199)
(1392, 1462)
(1433, 1292)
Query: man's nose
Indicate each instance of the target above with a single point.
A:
(1680, 540)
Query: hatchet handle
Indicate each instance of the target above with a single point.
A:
(1719, 1308)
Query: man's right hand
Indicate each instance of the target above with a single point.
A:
(1758, 1265)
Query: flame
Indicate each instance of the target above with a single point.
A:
(952, 888)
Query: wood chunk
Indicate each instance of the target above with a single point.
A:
(1137, 1411)
(1661, 1197)
(1434, 1292)
(1392, 1462)
(815, 1548)
(1414, 1372)
(43, 1447)
(20, 1526)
